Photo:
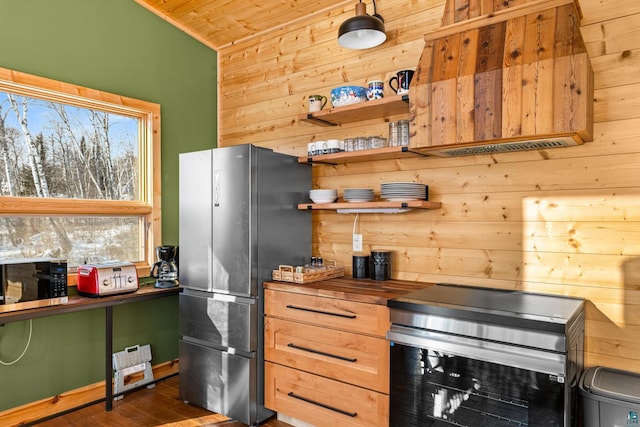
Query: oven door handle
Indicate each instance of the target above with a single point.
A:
(494, 352)
(323, 405)
(313, 310)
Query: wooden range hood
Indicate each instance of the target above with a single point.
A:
(503, 75)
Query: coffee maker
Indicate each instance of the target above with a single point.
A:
(165, 270)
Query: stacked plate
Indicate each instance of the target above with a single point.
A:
(358, 194)
(403, 191)
(323, 195)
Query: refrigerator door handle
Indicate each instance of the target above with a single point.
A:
(216, 188)
(232, 298)
(217, 296)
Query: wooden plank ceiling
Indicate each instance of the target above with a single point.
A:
(220, 23)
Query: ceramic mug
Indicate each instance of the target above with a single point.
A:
(317, 102)
(375, 90)
(403, 80)
(333, 146)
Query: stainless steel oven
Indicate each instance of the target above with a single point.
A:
(467, 356)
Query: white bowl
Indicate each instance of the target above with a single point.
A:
(322, 192)
(323, 195)
(319, 199)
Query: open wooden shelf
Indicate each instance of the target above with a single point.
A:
(385, 153)
(383, 107)
(413, 204)
(379, 108)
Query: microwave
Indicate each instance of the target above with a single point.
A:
(31, 283)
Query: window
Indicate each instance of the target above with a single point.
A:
(79, 173)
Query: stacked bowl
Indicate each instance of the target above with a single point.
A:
(323, 195)
(358, 194)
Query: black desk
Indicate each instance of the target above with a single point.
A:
(80, 303)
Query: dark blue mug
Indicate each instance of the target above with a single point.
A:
(403, 80)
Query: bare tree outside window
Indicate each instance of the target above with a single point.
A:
(76, 174)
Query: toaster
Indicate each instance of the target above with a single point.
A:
(96, 280)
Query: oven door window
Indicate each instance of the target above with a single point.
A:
(430, 388)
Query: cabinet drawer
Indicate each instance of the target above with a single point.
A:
(357, 359)
(351, 316)
(321, 401)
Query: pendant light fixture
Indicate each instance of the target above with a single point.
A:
(362, 31)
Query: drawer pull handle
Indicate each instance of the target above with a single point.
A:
(310, 350)
(331, 408)
(348, 316)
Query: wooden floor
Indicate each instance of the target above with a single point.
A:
(159, 406)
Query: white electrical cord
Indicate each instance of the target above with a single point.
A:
(2, 362)
(355, 221)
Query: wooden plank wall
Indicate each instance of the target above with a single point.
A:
(563, 221)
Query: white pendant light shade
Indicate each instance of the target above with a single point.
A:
(362, 31)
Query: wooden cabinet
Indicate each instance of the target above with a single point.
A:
(321, 401)
(327, 359)
(352, 358)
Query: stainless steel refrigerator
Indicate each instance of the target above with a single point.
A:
(238, 221)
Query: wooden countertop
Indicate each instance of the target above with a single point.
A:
(360, 290)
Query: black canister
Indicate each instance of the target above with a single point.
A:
(380, 265)
(360, 267)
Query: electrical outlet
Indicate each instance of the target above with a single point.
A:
(357, 243)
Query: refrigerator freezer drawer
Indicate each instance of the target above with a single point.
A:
(219, 320)
(220, 382)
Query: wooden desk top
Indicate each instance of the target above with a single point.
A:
(79, 303)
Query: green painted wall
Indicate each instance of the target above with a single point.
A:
(115, 46)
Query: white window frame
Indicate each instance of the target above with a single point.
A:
(149, 205)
